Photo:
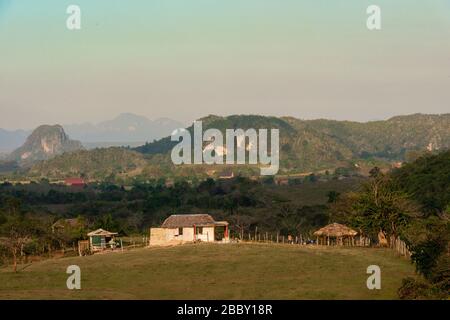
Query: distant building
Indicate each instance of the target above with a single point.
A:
(63, 224)
(183, 228)
(281, 181)
(397, 164)
(169, 183)
(74, 182)
(102, 239)
(226, 174)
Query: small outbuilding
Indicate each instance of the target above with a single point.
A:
(336, 234)
(101, 239)
(183, 228)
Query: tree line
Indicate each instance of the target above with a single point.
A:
(411, 203)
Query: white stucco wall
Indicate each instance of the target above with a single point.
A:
(207, 235)
(158, 236)
(188, 234)
(161, 236)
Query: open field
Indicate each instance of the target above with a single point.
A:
(214, 271)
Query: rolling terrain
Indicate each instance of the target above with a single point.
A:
(235, 271)
(306, 146)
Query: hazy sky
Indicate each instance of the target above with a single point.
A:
(188, 58)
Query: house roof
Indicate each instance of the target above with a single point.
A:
(74, 181)
(61, 223)
(335, 230)
(101, 232)
(227, 173)
(188, 220)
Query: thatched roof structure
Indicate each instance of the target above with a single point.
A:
(335, 230)
(189, 220)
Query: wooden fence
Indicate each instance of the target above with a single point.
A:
(400, 247)
(125, 244)
(395, 244)
(300, 239)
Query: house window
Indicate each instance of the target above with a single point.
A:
(180, 231)
(199, 230)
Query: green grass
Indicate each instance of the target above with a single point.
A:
(214, 271)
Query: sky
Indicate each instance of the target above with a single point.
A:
(187, 59)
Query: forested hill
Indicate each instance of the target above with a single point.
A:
(305, 146)
(427, 180)
(308, 144)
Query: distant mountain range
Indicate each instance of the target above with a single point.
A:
(305, 146)
(314, 144)
(10, 140)
(126, 129)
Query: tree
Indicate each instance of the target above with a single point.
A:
(13, 205)
(287, 219)
(374, 172)
(107, 222)
(240, 223)
(428, 240)
(332, 196)
(378, 207)
(16, 232)
(427, 182)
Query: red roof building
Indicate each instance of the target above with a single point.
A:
(74, 182)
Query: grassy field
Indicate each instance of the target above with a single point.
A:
(214, 271)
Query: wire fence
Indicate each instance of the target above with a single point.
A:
(395, 243)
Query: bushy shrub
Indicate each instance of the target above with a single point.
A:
(417, 289)
(441, 274)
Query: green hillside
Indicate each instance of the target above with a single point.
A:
(308, 145)
(236, 271)
(93, 164)
(305, 146)
(427, 180)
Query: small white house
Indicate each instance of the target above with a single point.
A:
(184, 228)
